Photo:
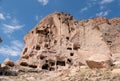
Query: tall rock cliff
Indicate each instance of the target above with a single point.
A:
(59, 41)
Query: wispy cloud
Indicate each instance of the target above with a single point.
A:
(84, 9)
(14, 49)
(102, 13)
(2, 17)
(43, 2)
(106, 1)
(12, 26)
(37, 17)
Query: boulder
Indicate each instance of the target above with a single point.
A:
(9, 62)
(99, 61)
(7, 71)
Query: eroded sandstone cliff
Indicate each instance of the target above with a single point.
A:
(59, 41)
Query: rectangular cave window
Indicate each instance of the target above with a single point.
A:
(71, 54)
(38, 31)
(45, 66)
(51, 69)
(69, 48)
(76, 46)
(67, 38)
(41, 32)
(33, 66)
(109, 42)
(61, 63)
(52, 63)
(25, 50)
(42, 57)
(24, 64)
(37, 47)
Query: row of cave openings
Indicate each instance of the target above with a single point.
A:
(51, 65)
(38, 47)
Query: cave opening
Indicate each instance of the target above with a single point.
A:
(51, 69)
(37, 47)
(45, 66)
(24, 64)
(76, 46)
(67, 38)
(69, 61)
(71, 54)
(42, 57)
(61, 63)
(25, 50)
(69, 48)
(52, 63)
(33, 66)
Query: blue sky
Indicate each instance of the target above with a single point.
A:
(17, 17)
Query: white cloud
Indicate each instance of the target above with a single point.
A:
(2, 17)
(106, 1)
(36, 17)
(11, 28)
(102, 13)
(14, 49)
(43, 2)
(84, 9)
(17, 44)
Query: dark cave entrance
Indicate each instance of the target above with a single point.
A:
(61, 63)
(45, 66)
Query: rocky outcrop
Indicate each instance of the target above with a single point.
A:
(9, 62)
(6, 68)
(0, 40)
(59, 41)
(99, 61)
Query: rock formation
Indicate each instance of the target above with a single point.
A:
(59, 41)
(9, 62)
(0, 40)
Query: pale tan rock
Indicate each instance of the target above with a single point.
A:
(99, 61)
(59, 41)
(30, 78)
(9, 62)
(115, 71)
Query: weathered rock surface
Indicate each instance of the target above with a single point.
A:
(99, 61)
(0, 40)
(9, 62)
(59, 42)
(6, 68)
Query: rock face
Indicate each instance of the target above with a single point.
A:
(99, 61)
(0, 40)
(9, 62)
(6, 68)
(59, 41)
